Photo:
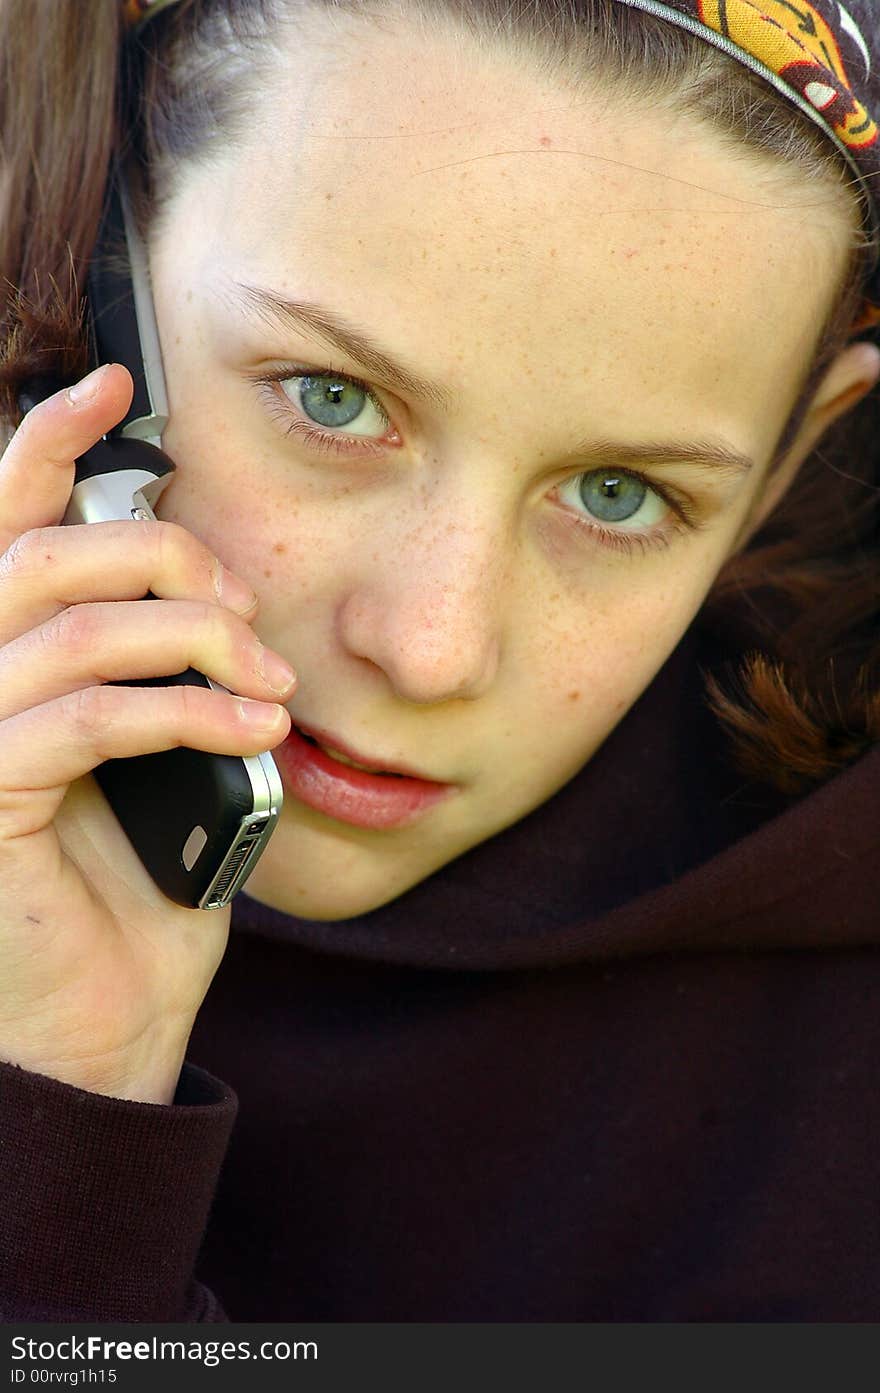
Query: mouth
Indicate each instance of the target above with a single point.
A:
(344, 759)
(334, 779)
(343, 754)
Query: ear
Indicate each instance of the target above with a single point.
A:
(852, 375)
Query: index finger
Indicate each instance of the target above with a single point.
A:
(36, 468)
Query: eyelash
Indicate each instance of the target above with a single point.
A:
(682, 518)
(314, 437)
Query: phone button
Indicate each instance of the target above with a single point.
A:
(194, 846)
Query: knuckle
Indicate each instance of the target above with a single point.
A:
(34, 435)
(92, 709)
(174, 543)
(27, 552)
(151, 534)
(234, 636)
(221, 631)
(27, 431)
(190, 704)
(76, 628)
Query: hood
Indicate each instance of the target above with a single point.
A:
(656, 846)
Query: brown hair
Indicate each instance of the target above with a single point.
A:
(802, 599)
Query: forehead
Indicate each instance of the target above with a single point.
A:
(485, 219)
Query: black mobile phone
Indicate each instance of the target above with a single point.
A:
(198, 821)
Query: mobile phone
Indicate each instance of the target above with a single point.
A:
(198, 821)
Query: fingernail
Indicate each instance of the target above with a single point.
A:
(279, 675)
(233, 593)
(86, 390)
(260, 714)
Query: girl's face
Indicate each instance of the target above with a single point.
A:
(474, 579)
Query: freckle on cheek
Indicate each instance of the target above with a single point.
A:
(574, 696)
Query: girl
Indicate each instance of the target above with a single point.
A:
(521, 393)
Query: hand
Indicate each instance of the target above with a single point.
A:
(101, 976)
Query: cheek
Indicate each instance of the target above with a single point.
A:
(236, 502)
(607, 644)
(590, 662)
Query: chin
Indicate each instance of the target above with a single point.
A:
(317, 869)
(337, 883)
(320, 902)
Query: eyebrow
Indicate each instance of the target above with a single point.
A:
(718, 456)
(331, 328)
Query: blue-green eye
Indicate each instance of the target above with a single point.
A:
(613, 497)
(336, 402)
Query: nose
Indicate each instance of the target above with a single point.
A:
(426, 610)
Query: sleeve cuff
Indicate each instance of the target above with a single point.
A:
(104, 1201)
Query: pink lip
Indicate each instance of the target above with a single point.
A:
(330, 742)
(355, 796)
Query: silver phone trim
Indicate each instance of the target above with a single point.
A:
(149, 427)
(124, 494)
(254, 830)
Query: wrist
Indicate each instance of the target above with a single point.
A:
(143, 1076)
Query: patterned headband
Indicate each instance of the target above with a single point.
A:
(812, 51)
